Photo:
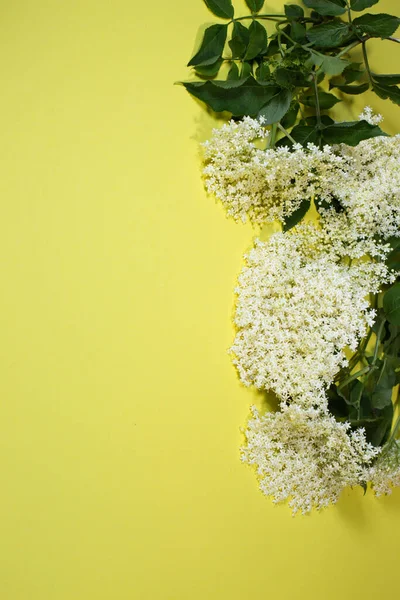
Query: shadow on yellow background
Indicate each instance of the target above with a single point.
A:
(120, 411)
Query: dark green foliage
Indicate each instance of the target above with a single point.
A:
(391, 304)
(325, 100)
(381, 25)
(257, 41)
(350, 133)
(209, 70)
(263, 72)
(233, 72)
(276, 108)
(239, 40)
(330, 35)
(290, 118)
(290, 78)
(351, 89)
(255, 5)
(221, 8)
(211, 47)
(293, 11)
(359, 5)
(391, 92)
(327, 7)
(386, 79)
(245, 98)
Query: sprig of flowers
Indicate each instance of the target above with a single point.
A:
(316, 292)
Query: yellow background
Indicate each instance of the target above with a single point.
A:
(120, 410)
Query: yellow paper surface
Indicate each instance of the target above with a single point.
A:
(120, 411)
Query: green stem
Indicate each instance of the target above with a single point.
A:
(348, 48)
(272, 138)
(366, 62)
(355, 376)
(279, 35)
(317, 108)
(286, 133)
(378, 339)
(268, 17)
(349, 12)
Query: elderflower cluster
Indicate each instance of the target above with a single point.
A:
(368, 186)
(386, 471)
(306, 456)
(262, 185)
(267, 185)
(297, 310)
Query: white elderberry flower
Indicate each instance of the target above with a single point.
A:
(297, 310)
(369, 116)
(305, 456)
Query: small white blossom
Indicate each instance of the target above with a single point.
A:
(369, 116)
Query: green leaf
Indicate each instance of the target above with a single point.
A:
(381, 25)
(233, 72)
(209, 70)
(239, 40)
(325, 120)
(292, 11)
(350, 133)
(297, 215)
(255, 5)
(352, 72)
(273, 47)
(258, 41)
(330, 35)
(263, 72)
(391, 304)
(290, 118)
(247, 98)
(391, 92)
(246, 70)
(325, 100)
(352, 89)
(290, 78)
(379, 431)
(331, 8)
(331, 65)
(211, 47)
(298, 32)
(228, 84)
(359, 5)
(274, 110)
(392, 345)
(386, 79)
(221, 8)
